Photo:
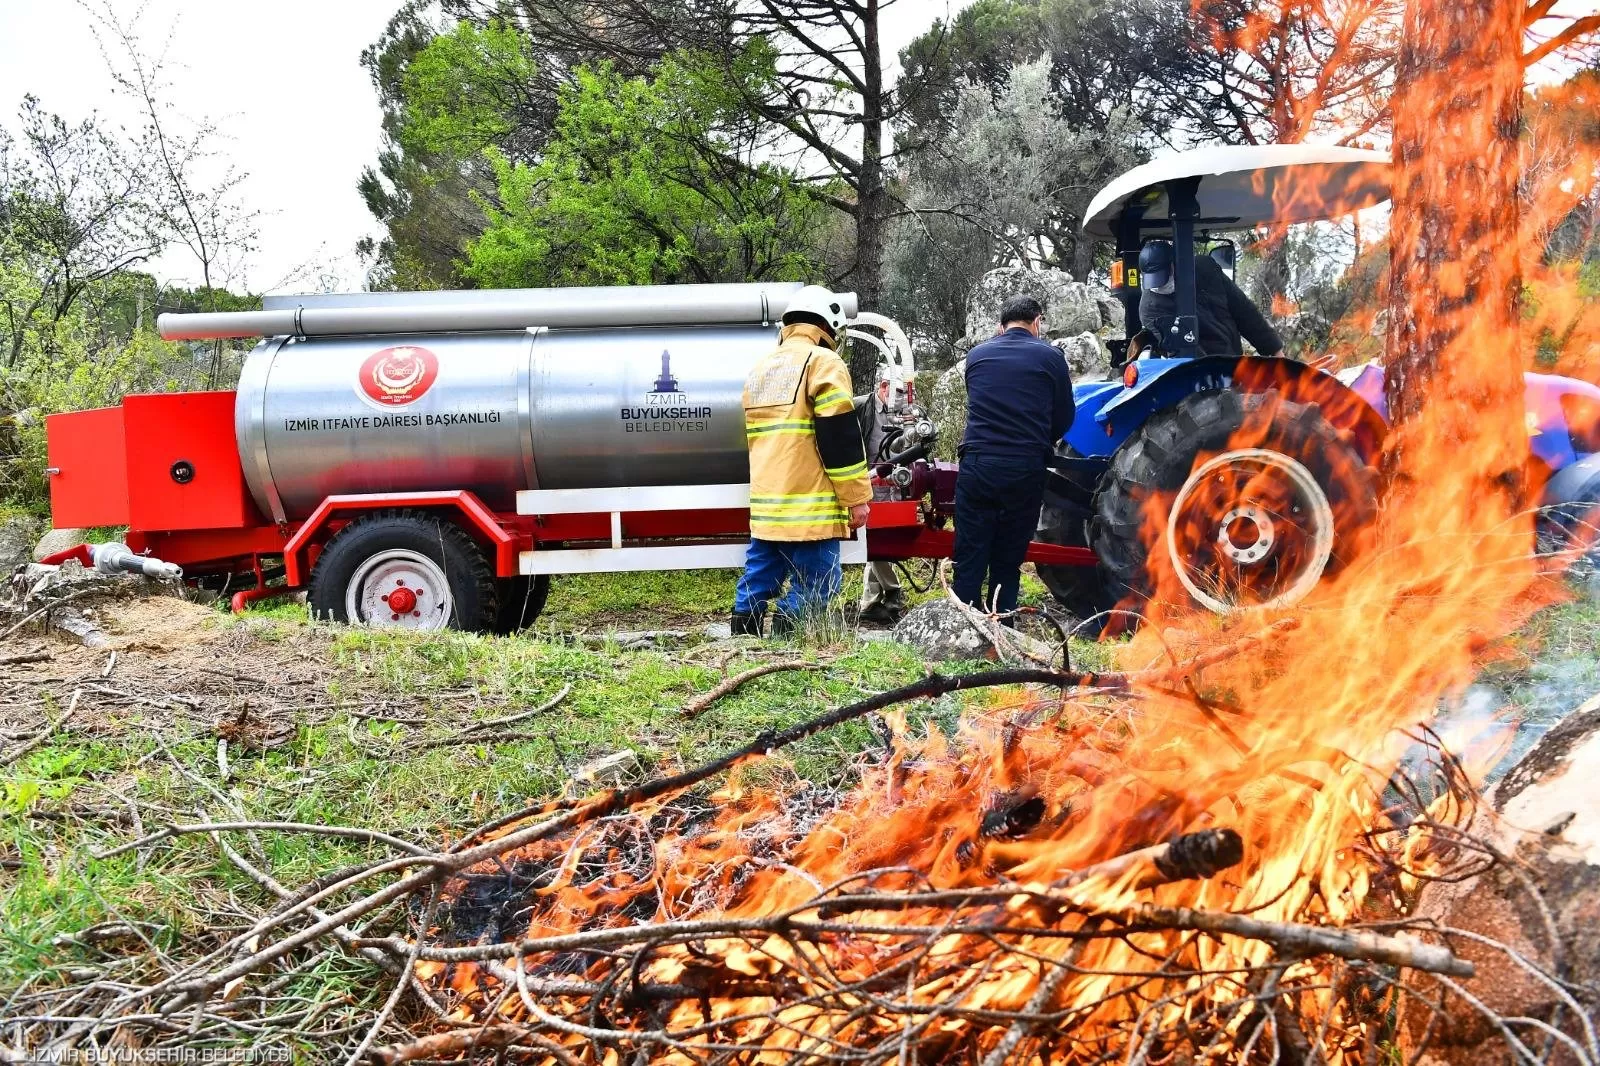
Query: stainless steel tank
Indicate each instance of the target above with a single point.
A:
(494, 412)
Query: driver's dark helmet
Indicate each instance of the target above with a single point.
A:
(1155, 268)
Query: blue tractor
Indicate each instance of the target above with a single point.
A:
(1228, 483)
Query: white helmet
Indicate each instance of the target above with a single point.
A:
(819, 304)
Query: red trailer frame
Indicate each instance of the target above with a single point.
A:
(167, 466)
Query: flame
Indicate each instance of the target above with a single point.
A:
(1291, 744)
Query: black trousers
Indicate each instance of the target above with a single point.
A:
(997, 511)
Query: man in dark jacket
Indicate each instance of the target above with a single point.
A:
(1225, 311)
(1019, 403)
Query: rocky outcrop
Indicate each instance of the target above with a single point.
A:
(1087, 357)
(1113, 321)
(58, 540)
(946, 401)
(17, 537)
(942, 632)
(1071, 307)
(1542, 907)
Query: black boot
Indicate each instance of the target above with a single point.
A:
(745, 623)
(784, 624)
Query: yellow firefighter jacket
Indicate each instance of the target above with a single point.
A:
(807, 462)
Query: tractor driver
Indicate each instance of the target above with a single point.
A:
(1225, 312)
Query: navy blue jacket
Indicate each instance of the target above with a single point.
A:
(1019, 397)
(1225, 313)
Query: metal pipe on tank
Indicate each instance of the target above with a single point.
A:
(645, 305)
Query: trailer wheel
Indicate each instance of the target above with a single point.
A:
(521, 602)
(1232, 501)
(404, 570)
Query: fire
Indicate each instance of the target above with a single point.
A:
(936, 912)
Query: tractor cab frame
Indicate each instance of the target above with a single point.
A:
(1187, 197)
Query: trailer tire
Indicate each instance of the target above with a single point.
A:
(522, 600)
(441, 571)
(1231, 501)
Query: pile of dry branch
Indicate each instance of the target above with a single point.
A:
(691, 919)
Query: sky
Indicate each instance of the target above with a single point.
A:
(283, 81)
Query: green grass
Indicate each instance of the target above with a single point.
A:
(62, 802)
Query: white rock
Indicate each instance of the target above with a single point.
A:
(1113, 321)
(58, 540)
(608, 771)
(1070, 307)
(1087, 358)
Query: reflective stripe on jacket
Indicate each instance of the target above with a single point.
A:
(794, 494)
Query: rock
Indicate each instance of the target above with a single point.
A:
(80, 627)
(1591, 587)
(1113, 321)
(717, 631)
(640, 640)
(1070, 307)
(17, 537)
(1544, 815)
(942, 632)
(58, 540)
(609, 771)
(947, 408)
(1087, 358)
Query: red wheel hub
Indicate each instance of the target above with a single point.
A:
(402, 600)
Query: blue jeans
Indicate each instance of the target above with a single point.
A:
(997, 511)
(811, 567)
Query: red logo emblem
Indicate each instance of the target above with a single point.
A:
(399, 376)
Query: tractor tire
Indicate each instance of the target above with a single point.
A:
(1064, 520)
(439, 574)
(1231, 501)
(521, 602)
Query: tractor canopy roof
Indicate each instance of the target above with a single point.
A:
(1248, 185)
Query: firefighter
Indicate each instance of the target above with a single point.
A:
(1224, 310)
(1019, 403)
(808, 467)
(883, 599)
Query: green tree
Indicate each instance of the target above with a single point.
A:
(647, 180)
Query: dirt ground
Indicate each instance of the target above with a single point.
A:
(169, 665)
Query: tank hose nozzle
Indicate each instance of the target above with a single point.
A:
(114, 557)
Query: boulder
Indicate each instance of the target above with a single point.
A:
(947, 409)
(58, 540)
(1113, 322)
(1545, 816)
(1087, 357)
(1070, 307)
(943, 632)
(17, 537)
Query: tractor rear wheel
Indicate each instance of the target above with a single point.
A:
(404, 570)
(1064, 520)
(1232, 501)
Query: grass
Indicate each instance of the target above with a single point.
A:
(70, 798)
(377, 770)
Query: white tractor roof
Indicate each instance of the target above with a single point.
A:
(1248, 185)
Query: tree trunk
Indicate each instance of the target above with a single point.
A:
(1454, 276)
(872, 196)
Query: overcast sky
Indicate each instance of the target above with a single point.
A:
(283, 80)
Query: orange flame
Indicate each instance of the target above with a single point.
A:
(1291, 746)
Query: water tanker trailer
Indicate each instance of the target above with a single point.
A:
(429, 459)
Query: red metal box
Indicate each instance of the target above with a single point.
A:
(183, 467)
(88, 468)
